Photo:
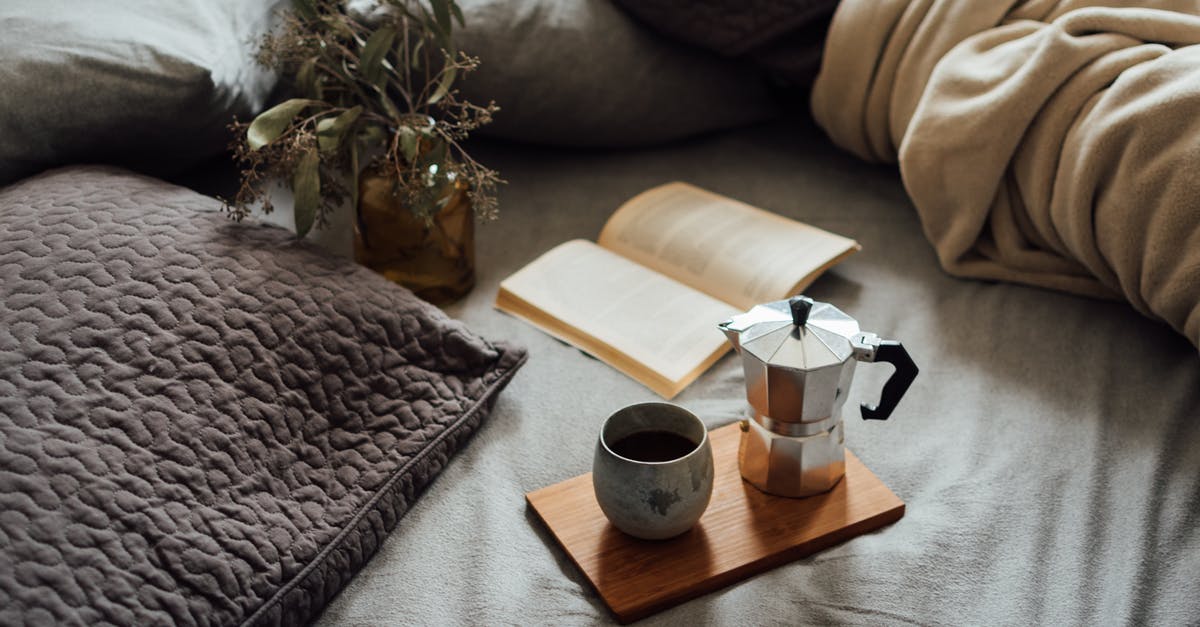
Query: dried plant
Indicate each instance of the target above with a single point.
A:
(373, 88)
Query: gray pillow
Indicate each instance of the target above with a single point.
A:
(204, 422)
(145, 83)
(783, 36)
(582, 72)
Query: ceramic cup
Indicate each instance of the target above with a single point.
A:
(649, 483)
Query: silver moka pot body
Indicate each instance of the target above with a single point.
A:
(798, 356)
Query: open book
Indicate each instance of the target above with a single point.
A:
(670, 264)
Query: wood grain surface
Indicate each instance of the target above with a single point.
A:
(743, 532)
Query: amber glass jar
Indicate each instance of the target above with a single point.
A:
(433, 257)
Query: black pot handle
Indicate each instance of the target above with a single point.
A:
(892, 352)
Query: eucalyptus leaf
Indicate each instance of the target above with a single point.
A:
(441, 12)
(271, 123)
(458, 14)
(439, 34)
(306, 191)
(371, 62)
(388, 106)
(306, 78)
(426, 19)
(444, 84)
(409, 143)
(416, 54)
(372, 135)
(326, 139)
(387, 65)
(330, 131)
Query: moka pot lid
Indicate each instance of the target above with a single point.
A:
(797, 334)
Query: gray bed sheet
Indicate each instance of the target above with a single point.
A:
(1049, 452)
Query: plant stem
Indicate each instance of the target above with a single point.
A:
(407, 64)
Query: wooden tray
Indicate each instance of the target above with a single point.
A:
(743, 532)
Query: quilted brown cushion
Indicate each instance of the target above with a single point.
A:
(203, 422)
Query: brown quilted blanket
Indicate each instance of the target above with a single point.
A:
(203, 422)
(1044, 142)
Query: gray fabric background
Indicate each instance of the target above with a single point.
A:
(1049, 452)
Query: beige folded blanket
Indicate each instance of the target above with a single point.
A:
(1052, 143)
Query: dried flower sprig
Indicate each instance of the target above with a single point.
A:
(372, 89)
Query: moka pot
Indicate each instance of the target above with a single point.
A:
(798, 356)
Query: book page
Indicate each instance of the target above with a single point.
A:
(619, 312)
(728, 249)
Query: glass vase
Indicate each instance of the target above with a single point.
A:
(434, 257)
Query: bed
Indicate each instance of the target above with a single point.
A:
(1047, 453)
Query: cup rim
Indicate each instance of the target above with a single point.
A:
(694, 451)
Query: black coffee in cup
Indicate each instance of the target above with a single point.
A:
(653, 446)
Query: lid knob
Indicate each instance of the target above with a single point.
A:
(800, 306)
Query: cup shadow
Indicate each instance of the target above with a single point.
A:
(631, 571)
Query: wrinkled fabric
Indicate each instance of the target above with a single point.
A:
(201, 422)
(1047, 452)
(1049, 143)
